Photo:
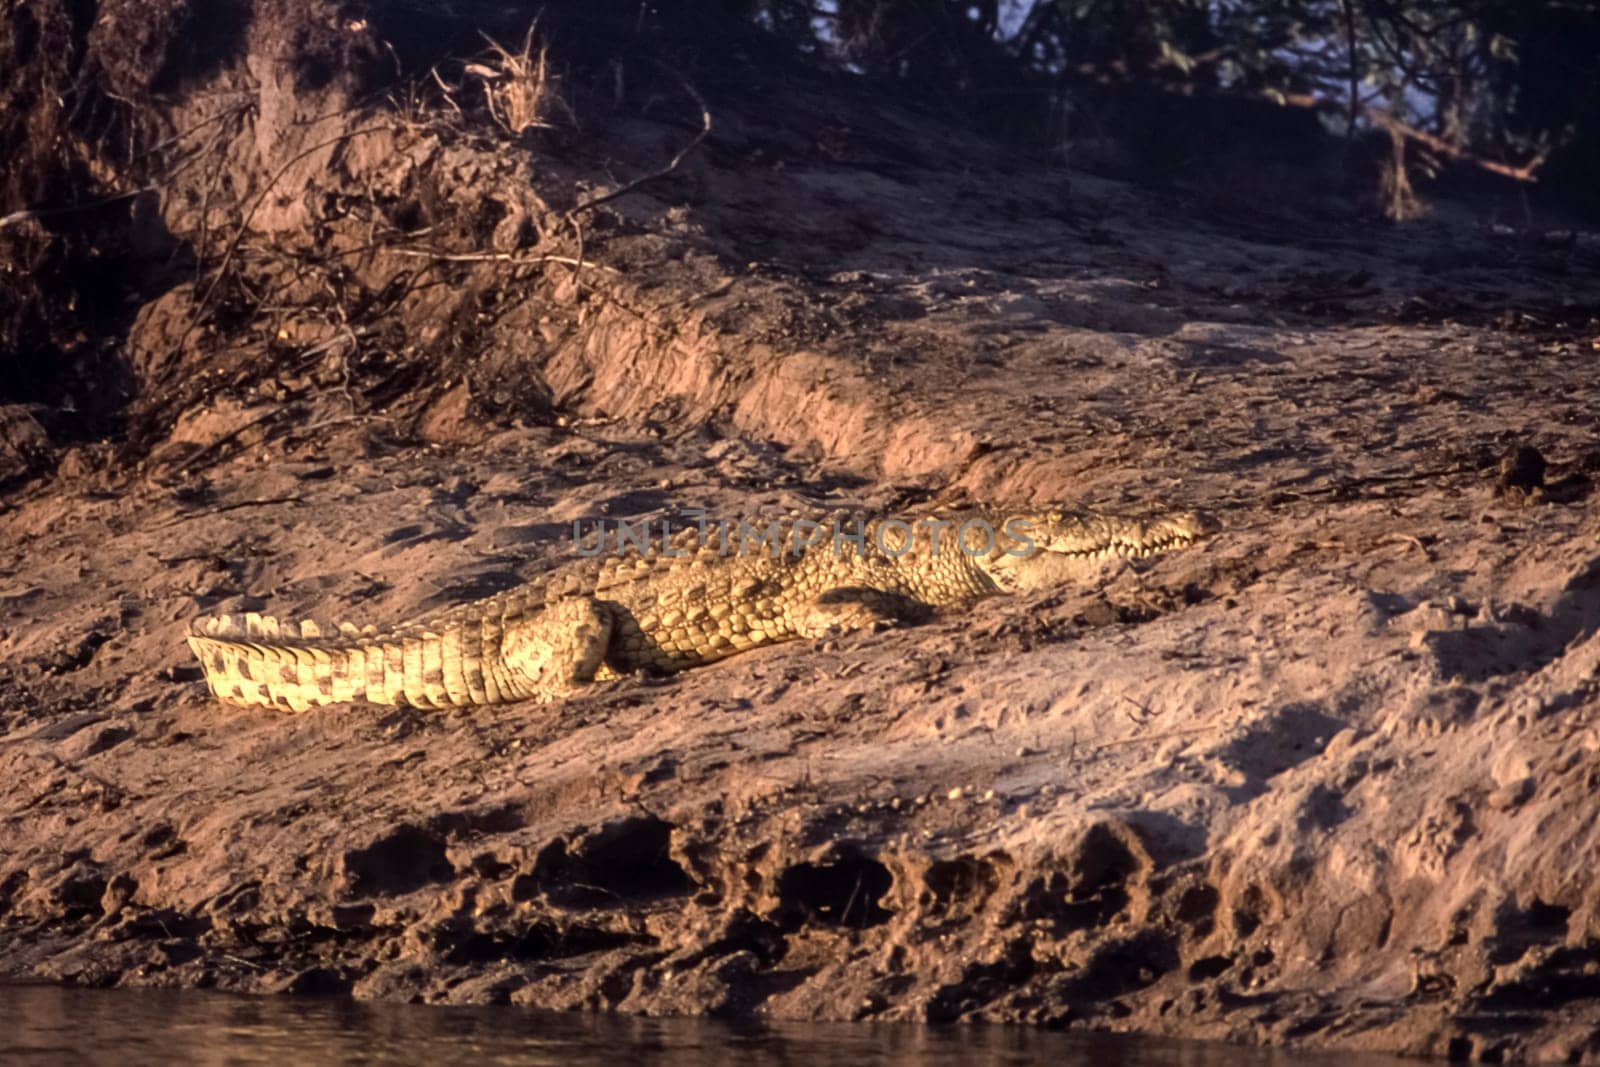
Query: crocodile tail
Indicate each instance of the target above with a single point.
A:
(255, 660)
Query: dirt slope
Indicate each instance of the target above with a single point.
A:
(1328, 781)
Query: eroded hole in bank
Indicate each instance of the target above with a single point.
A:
(845, 892)
(624, 861)
(403, 860)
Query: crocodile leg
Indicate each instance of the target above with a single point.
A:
(841, 610)
(552, 653)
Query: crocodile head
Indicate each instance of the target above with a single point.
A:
(1037, 550)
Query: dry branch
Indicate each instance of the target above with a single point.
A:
(255, 205)
(88, 205)
(705, 131)
(497, 257)
(1435, 143)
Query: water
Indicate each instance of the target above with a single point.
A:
(45, 1026)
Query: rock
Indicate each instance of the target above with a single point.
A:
(25, 448)
(1522, 468)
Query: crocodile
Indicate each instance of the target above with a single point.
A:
(693, 599)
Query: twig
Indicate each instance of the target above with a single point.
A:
(844, 916)
(36, 213)
(340, 419)
(43, 212)
(577, 230)
(449, 94)
(1524, 173)
(1408, 539)
(201, 245)
(183, 134)
(1386, 119)
(346, 335)
(705, 131)
(1188, 731)
(497, 257)
(1355, 67)
(261, 197)
(235, 506)
(228, 437)
(594, 202)
(231, 958)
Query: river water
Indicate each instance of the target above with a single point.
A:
(45, 1026)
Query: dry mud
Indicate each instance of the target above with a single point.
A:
(1328, 781)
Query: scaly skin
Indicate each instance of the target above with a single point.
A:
(706, 599)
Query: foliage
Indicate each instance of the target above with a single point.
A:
(1508, 84)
